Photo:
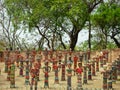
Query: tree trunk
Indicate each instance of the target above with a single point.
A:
(116, 42)
(89, 39)
(73, 38)
(106, 38)
(62, 43)
(40, 43)
(53, 42)
(43, 35)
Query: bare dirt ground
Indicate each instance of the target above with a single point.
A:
(96, 82)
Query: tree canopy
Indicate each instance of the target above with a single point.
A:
(52, 19)
(107, 18)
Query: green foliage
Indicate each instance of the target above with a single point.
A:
(26, 11)
(57, 16)
(2, 45)
(108, 15)
(83, 46)
(107, 19)
(31, 12)
(95, 45)
(111, 45)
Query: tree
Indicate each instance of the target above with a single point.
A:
(68, 15)
(10, 33)
(74, 16)
(107, 19)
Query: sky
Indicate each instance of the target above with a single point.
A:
(83, 35)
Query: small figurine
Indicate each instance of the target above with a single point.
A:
(46, 70)
(56, 70)
(105, 74)
(33, 53)
(27, 70)
(101, 60)
(93, 67)
(32, 72)
(89, 71)
(97, 64)
(60, 57)
(85, 74)
(6, 58)
(17, 52)
(80, 57)
(36, 72)
(12, 75)
(9, 70)
(21, 67)
(63, 66)
(65, 57)
(114, 72)
(69, 75)
(110, 86)
(70, 52)
(75, 62)
(79, 71)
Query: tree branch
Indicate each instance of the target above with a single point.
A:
(43, 35)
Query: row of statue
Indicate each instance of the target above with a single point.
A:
(79, 64)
